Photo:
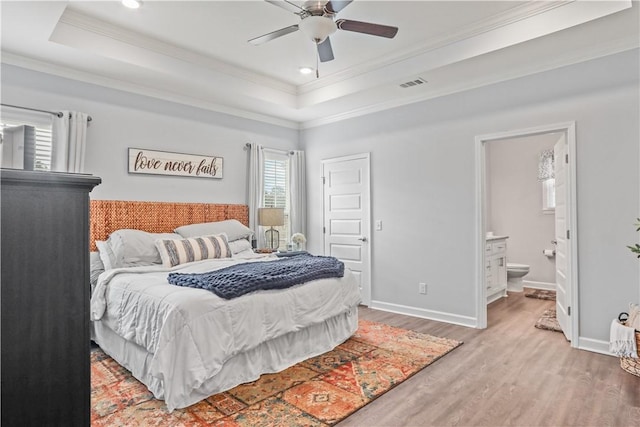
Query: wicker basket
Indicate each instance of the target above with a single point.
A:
(630, 364)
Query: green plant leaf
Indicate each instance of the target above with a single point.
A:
(636, 248)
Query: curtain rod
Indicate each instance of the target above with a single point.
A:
(54, 113)
(247, 146)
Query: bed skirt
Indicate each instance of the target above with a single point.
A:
(269, 357)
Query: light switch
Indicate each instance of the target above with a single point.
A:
(378, 225)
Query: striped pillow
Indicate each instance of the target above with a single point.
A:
(174, 252)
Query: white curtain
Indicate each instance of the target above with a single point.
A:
(298, 197)
(69, 140)
(256, 189)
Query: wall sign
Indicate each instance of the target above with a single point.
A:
(174, 164)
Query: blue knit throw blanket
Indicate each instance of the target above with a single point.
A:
(236, 280)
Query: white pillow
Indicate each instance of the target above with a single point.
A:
(174, 252)
(233, 228)
(96, 267)
(131, 248)
(106, 254)
(240, 245)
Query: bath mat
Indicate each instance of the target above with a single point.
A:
(316, 392)
(548, 321)
(540, 294)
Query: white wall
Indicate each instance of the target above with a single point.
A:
(122, 120)
(514, 203)
(423, 185)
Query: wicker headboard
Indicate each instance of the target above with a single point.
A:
(107, 216)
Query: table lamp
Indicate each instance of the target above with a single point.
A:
(271, 217)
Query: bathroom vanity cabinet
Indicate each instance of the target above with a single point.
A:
(496, 267)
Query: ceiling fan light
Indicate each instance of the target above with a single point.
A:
(317, 28)
(132, 4)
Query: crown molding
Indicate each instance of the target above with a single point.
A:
(593, 52)
(163, 94)
(101, 28)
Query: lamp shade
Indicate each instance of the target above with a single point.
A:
(271, 217)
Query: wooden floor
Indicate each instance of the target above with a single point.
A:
(510, 374)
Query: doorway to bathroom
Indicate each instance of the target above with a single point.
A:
(517, 203)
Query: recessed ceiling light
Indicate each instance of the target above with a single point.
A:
(132, 4)
(306, 70)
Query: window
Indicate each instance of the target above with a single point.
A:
(549, 195)
(546, 176)
(276, 189)
(43, 134)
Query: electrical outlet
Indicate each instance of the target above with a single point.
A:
(378, 225)
(422, 288)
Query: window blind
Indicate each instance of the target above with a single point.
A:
(276, 183)
(43, 149)
(276, 189)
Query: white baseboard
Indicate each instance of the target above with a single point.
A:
(596, 346)
(587, 344)
(422, 313)
(539, 285)
(496, 297)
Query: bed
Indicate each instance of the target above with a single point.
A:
(186, 344)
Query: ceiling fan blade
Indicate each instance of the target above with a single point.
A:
(367, 28)
(325, 51)
(335, 6)
(274, 35)
(286, 5)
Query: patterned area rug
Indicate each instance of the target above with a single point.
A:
(317, 392)
(548, 321)
(541, 294)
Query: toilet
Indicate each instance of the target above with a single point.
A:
(515, 273)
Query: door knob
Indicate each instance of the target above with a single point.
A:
(362, 239)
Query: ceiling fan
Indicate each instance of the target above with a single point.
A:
(318, 23)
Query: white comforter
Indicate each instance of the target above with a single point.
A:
(192, 332)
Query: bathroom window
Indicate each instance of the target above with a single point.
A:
(549, 196)
(546, 176)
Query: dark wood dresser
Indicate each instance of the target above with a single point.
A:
(44, 298)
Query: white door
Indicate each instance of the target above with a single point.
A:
(347, 216)
(563, 279)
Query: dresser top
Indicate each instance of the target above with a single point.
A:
(23, 177)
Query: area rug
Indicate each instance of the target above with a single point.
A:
(548, 321)
(317, 392)
(541, 294)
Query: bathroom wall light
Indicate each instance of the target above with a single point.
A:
(132, 4)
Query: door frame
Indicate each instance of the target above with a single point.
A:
(569, 129)
(366, 287)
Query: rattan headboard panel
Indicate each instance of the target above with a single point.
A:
(107, 216)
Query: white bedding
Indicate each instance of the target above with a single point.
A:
(188, 335)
